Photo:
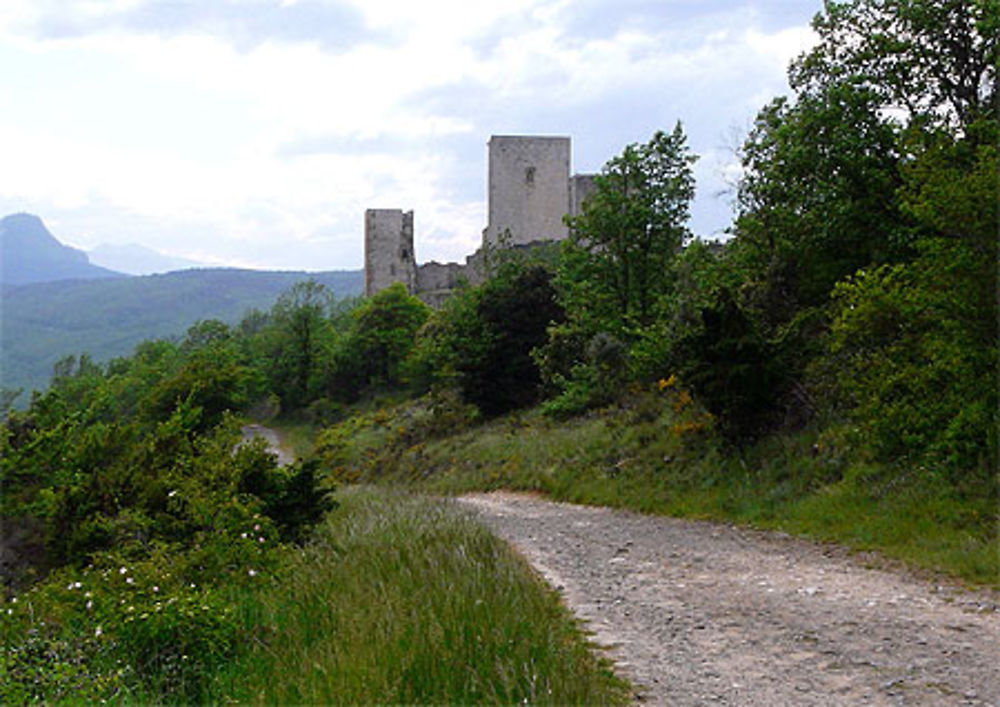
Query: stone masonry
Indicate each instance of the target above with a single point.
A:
(389, 253)
(530, 191)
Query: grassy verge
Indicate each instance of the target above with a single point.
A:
(297, 437)
(659, 456)
(402, 600)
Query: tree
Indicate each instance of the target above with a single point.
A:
(818, 197)
(616, 264)
(301, 338)
(382, 333)
(937, 60)
(482, 340)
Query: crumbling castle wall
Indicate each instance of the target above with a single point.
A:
(389, 255)
(530, 192)
(581, 186)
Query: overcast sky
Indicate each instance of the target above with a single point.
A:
(256, 132)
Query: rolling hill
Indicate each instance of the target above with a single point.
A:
(43, 322)
(54, 302)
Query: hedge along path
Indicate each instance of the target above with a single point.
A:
(698, 612)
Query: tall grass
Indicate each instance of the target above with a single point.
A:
(401, 599)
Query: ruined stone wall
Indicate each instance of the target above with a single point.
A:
(581, 186)
(530, 192)
(528, 188)
(438, 276)
(389, 255)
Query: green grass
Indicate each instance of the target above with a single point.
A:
(654, 458)
(401, 599)
(297, 437)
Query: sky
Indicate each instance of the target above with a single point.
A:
(255, 133)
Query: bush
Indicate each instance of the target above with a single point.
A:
(911, 346)
(598, 381)
(481, 342)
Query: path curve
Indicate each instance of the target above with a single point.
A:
(273, 440)
(704, 613)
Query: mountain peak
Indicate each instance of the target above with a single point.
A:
(30, 253)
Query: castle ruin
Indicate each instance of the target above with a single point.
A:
(529, 193)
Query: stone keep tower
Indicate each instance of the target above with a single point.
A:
(529, 188)
(389, 253)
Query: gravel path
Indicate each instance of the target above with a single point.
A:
(702, 613)
(273, 439)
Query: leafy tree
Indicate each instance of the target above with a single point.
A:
(818, 198)
(298, 341)
(936, 59)
(615, 266)
(481, 341)
(734, 370)
(382, 332)
(206, 333)
(514, 312)
(907, 344)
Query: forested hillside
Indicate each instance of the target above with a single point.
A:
(45, 322)
(831, 369)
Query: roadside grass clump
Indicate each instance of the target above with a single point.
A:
(401, 599)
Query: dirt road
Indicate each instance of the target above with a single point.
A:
(273, 440)
(701, 613)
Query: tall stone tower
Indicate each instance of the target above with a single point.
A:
(389, 253)
(528, 190)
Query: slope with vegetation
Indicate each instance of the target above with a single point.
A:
(45, 322)
(150, 554)
(831, 369)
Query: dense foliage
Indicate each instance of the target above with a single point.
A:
(129, 487)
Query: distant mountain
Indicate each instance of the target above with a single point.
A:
(29, 253)
(136, 259)
(41, 323)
